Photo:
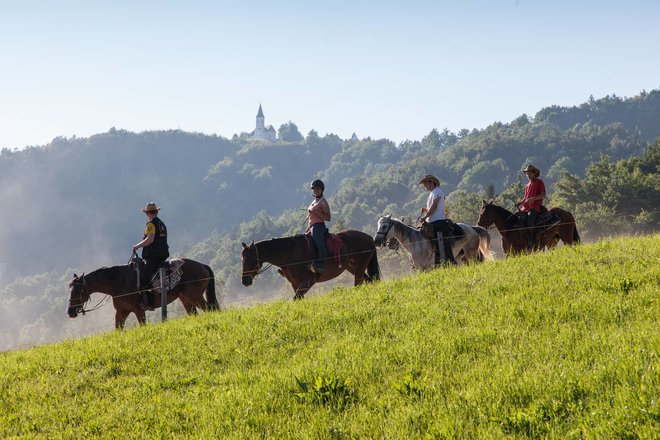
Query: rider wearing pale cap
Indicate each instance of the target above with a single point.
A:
(434, 214)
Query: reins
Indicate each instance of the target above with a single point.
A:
(263, 269)
(81, 307)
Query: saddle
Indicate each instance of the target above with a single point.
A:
(429, 233)
(333, 244)
(544, 220)
(173, 274)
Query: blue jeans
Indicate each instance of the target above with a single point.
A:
(318, 237)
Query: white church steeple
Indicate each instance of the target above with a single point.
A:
(262, 132)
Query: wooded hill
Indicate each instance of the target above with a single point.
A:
(75, 203)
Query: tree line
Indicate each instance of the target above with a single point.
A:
(75, 203)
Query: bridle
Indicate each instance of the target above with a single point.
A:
(259, 270)
(81, 284)
(389, 227)
(80, 307)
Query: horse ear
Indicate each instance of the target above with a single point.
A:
(244, 245)
(75, 277)
(389, 216)
(252, 244)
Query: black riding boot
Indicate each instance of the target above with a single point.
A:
(146, 294)
(531, 227)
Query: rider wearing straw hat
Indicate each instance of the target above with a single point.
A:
(434, 214)
(532, 200)
(154, 249)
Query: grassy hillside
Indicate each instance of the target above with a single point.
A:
(560, 345)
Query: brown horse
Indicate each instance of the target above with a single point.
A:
(120, 283)
(293, 256)
(515, 238)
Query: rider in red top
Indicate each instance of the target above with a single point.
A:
(532, 200)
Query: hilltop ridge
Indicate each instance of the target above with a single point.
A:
(560, 344)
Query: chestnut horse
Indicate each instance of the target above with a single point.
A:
(515, 238)
(293, 256)
(120, 283)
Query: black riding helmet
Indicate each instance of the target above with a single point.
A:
(318, 183)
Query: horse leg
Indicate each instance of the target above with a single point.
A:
(141, 316)
(359, 273)
(120, 318)
(302, 288)
(187, 304)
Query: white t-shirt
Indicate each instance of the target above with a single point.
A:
(439, 213)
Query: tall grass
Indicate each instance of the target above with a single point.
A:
(565, 344)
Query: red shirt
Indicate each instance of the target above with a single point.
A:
(534, 188)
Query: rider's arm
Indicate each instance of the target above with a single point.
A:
(431, 210)
(322, 209)
(144, 243)
(150, 233)
(537, 197)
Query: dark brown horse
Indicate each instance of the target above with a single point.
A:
(293, 256)
(120, 283)
(515, 238)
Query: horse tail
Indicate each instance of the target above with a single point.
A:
(484, 244)
(373, 269)
(576, 236)
(211, 299)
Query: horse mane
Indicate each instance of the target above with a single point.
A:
(107, 272)
(405, 228)
(279, 242)
(501, 210)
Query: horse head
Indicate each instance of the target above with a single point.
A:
(250, 263)
(78, 296)
(384, 226)
(486, 214)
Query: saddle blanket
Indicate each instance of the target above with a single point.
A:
(173, 275)
(333, 243)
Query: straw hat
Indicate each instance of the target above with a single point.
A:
(533, 169)
(151, 207)
(431, 178)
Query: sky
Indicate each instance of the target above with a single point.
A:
(379, 69)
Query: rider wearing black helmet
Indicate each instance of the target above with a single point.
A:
(319, 213)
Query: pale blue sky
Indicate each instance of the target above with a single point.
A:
(385, 69)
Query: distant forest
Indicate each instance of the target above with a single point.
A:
(74, 204)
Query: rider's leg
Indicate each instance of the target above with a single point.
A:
(318, 235)
(150, 267)
(439, 249)
(531, 228)
(444, 233)
(447, 240)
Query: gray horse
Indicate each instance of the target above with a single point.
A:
(473, 246)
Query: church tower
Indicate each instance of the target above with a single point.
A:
(261, 132)
(260, 119)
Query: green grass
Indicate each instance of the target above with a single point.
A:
(562, 345)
